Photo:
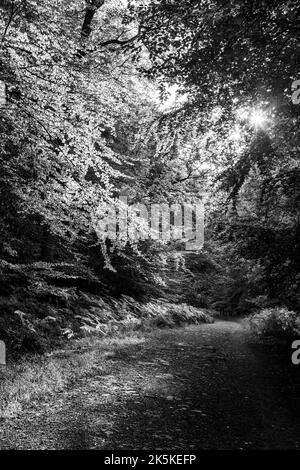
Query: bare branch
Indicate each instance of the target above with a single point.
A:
(118, 41)
(12, 12)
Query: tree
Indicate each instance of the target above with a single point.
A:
(58, 159)
(236, 62)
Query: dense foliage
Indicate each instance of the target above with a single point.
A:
(87, 119)
(235, 62)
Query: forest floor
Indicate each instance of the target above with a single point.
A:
(202, 387)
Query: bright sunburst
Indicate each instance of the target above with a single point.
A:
(258, 118)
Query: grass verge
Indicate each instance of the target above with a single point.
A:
(34, 378)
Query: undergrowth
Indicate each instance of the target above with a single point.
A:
(278, 322)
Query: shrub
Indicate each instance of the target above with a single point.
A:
(277, 322)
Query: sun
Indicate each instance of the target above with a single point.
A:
(255, 116)
(258, 118)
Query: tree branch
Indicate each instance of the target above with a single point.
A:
(118, 41)
(12, 12)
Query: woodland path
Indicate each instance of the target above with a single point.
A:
(204, 387)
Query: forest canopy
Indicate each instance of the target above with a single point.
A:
(164, 102)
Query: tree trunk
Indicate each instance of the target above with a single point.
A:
(91, 10)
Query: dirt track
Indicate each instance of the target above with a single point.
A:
(206, 387)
